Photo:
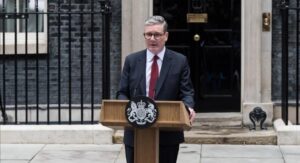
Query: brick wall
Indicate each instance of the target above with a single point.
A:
(276, 52)
(54, 55)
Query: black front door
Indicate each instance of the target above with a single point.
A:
(208, 32)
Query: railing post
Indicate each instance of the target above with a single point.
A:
(106, 11)
(297, 60)
(4, 115)
(284, 66)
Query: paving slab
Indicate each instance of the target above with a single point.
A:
(290, 149)
(85, 147)
(121, 157)
(291, 159)
(75, 157)
(19, 152)
(239, 160)
(78, 154)
(241, 151)
(15, 161)
(114, 153)
(291, 153)
(189, 153)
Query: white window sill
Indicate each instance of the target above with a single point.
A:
(31, 49)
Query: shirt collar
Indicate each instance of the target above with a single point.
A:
(160, 55)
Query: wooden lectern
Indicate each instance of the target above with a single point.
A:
(172, 116)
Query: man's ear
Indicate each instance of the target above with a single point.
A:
(166, 36)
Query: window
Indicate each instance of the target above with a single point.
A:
(16, 17)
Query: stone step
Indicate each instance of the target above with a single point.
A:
(231, 136)
(55, 134)
(218, 120)
(221, 135)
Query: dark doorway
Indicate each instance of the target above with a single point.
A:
(208, 32)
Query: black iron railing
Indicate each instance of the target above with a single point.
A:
(65, 83)
(290, 56)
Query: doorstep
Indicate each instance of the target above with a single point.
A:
(221, 135)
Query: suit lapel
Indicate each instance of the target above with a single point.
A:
(164, 71)
(142, 69)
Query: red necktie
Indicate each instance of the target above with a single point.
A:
(154, 76)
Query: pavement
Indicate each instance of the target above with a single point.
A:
(114, 153)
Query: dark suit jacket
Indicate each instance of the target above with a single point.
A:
(173, 84)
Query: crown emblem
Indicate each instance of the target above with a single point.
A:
(141, 104)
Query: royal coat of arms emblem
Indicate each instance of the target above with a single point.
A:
(141, 112)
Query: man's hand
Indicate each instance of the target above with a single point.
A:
(192, 115)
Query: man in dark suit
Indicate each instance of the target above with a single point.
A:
(160, 74)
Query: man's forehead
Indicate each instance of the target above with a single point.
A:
(154, 27)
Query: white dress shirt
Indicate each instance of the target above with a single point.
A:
(149, 61)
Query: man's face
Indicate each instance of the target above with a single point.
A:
(155, 38)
